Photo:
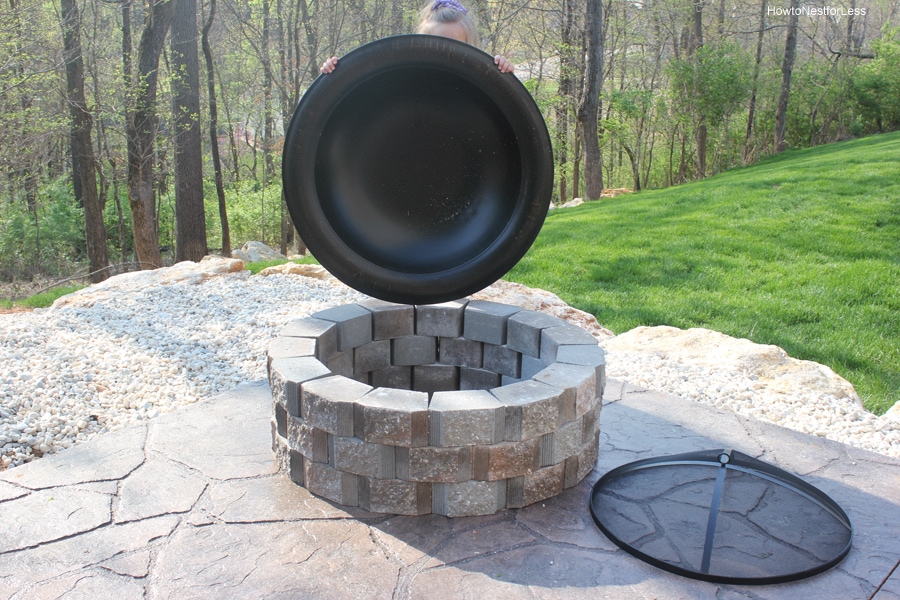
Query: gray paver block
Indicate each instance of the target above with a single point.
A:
(485, 321)
(393, 417)
(532, 409)
(287, 376)
(523, 331)
(390, 320)
(531, 366)
(354, 325)
(503, 360)
(534, 487)
(341, 363)
(324, 332)
(290, 347)
(323, 480)
(352, 455)
(478, 379)
(460, 352)
(392, 377)
(281, 418)
(460, 418)
(414, 350)
(579, 385)
(297, 467)
(441, 320)
(468, 498)
(563, 335)
(328, 403)
(505, 380)
(394, 496)
(506, 459)
(309, 441)
(372, 356)
(435, 378)
(586, 355)
(428, 463)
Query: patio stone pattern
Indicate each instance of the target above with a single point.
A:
(459, 409)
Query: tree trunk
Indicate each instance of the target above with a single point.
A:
(141, 132)
(697, 43)
(589, 107)
(190, 218)
(751, 111)
(563, 104)
(83, 162)
(214, 130)
(787, 68)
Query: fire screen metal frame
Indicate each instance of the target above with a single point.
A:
(725, 461)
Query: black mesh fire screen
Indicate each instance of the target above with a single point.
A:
(721, 516)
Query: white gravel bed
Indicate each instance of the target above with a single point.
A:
(70, 373)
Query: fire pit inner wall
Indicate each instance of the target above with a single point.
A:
(462, 408)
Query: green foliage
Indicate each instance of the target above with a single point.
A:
(47, 241)
(876, 86)
(714, 85)
(254, 213)
(801, 251)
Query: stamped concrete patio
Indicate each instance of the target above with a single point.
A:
(191, 505)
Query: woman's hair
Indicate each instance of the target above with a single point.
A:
(446, 12)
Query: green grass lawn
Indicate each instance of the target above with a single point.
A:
(42, 300)
(801, 251)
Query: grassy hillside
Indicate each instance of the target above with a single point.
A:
(801, 251)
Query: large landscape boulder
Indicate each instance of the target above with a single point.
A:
(506, 292)
(256, 252)
(290, 268)
(768, 366)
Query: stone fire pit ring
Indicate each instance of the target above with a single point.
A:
(459, 409)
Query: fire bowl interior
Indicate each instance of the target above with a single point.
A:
(462, 408)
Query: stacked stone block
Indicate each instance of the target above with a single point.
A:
(460, 409)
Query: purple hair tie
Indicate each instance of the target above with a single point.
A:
(449, 4)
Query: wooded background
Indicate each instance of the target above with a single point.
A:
(137, 134)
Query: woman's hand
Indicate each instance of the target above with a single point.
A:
(329, 65)
(503, 63)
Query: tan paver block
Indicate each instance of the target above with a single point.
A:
(325, 481)
(535, 487)
(532, 409)
(428, 463)
(353, 455)
(579, 385)
(467, 417)
(393, 417)
(394, 496)
(506, 459)
(309, 441)
(328, 403)
(287, 376)
(469, 498)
